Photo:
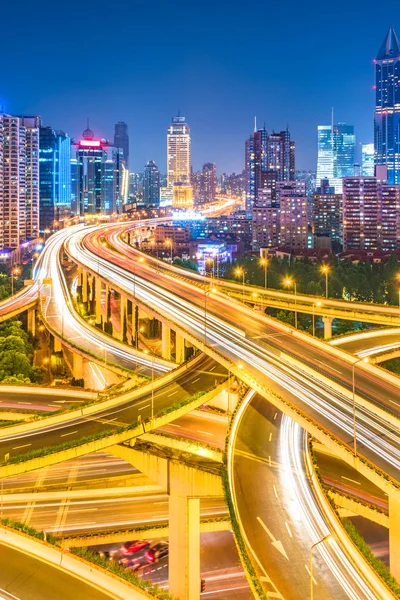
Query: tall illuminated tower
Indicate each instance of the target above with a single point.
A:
(387, 108)
(178, 152)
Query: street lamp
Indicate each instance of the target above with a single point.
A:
(13, 272)
(264, 263)
(313, 315)
(324, 539)
(169, 243)
(325, 269)
(205, 311)
(365, 360)
(288, 282)
(240, 272)
(210, 261)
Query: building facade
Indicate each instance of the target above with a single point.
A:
(367, 160)
(336, 154)
(387, 107)
(151, 188)
(121, 140)
(293, 215)
(327, 214)
(208, 183)
(178, 152)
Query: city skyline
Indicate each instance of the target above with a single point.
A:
(153, 81)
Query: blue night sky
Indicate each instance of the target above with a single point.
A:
(219, 62)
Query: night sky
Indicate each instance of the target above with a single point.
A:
(219, 62)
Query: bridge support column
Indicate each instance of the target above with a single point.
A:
(179, 348)
(123, 319)
(84, 287)
(327, 321)
(77, 366)
(97, 296)
(394, 535)
(57, 345)
(165, 341)
(184, 544)
(32, 321)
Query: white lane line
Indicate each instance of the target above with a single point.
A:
(288, 528)
(276, 493)
(174, 425)
(327, 366)
(269, 461)
(308, 571)
(352, 480)
(143, 407)
(173, 394)
(196, 380)
(213, 368)
(205, 432)
(275, 415)
(24, 446)
(20, 402)
(70, 433)
(270, 436)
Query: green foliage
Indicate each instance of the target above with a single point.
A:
(392, 365)
(120, 571)
(16, 355)
(185, 263)
(377, 564)
(35, 533)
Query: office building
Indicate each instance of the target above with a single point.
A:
(268, 158)
(371, 214)
(151, 189)
(327, 214)
(336, 154)
(208, 183)
(178, 152)
(182, 196)
(54, 176)
(387, 107)
(19, 179)
(293, 217)
(96, 168)
(121, 140)
(367, 160)
(265, 221)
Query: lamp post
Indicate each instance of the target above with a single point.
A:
(13, 273)
(325, 269)
(365, 360)
(264, 263)
(240, 272)
(313, 316)
(169, 243)
(288, 282)
(206, 292)
(324, 539)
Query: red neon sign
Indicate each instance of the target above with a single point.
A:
(90, 143)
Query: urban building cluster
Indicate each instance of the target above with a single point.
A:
(46, 177)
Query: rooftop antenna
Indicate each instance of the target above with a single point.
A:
(255, 124)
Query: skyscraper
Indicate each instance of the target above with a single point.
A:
(268, 158)
(178, 152)
(151, 183)
(208, 183)
(32, 126)
(327, 214)
(367, 160)
(54, 176)
(293, 214)
(387, 107)
(121, 139)
(336, 154)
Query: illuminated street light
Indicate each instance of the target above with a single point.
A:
(325, 269)
(365, 360)
(289, 282)
(241, 272)
(14, 272)
(169, 243)
(324, 539)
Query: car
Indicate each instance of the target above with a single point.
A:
(130, 563)
(135, 546)
(157, 551)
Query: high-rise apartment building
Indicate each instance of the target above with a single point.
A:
(387, 107)
(54, 176)
(19, 179)
(268, 158)
(178, 152)
(371, 214)
(327, 214)
(151, 189)
(367, 160)
(121, 139)
(96, 168)
(293, 214)
(208, 183)
(336, 154)
(265, 221)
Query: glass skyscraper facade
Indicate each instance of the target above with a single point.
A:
(387, 107)
(336, 154)
(367, 160)
(151, 188)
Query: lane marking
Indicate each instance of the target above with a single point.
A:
(288, 528)
(352, 480)
(70, 433)
(327, 366)
(143, 407)
(308, 571)
(275, 415)
(173, 394)
(204, 432)
(270, 436)
(276, 493)
(276, 543)
(196, 380)
(174, 425)
(24, 446)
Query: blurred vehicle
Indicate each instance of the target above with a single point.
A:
(135, 546)
(130, 563)
(157, 551)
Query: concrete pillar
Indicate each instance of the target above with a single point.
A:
(394, 534)
(32, 321)
(57, 345)
(179, 348)
(123, 319)
(77, 366)
(98, 300)
(327, 321)
(104, 307)
(84, 286)
(184, 547)
(165, 341)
